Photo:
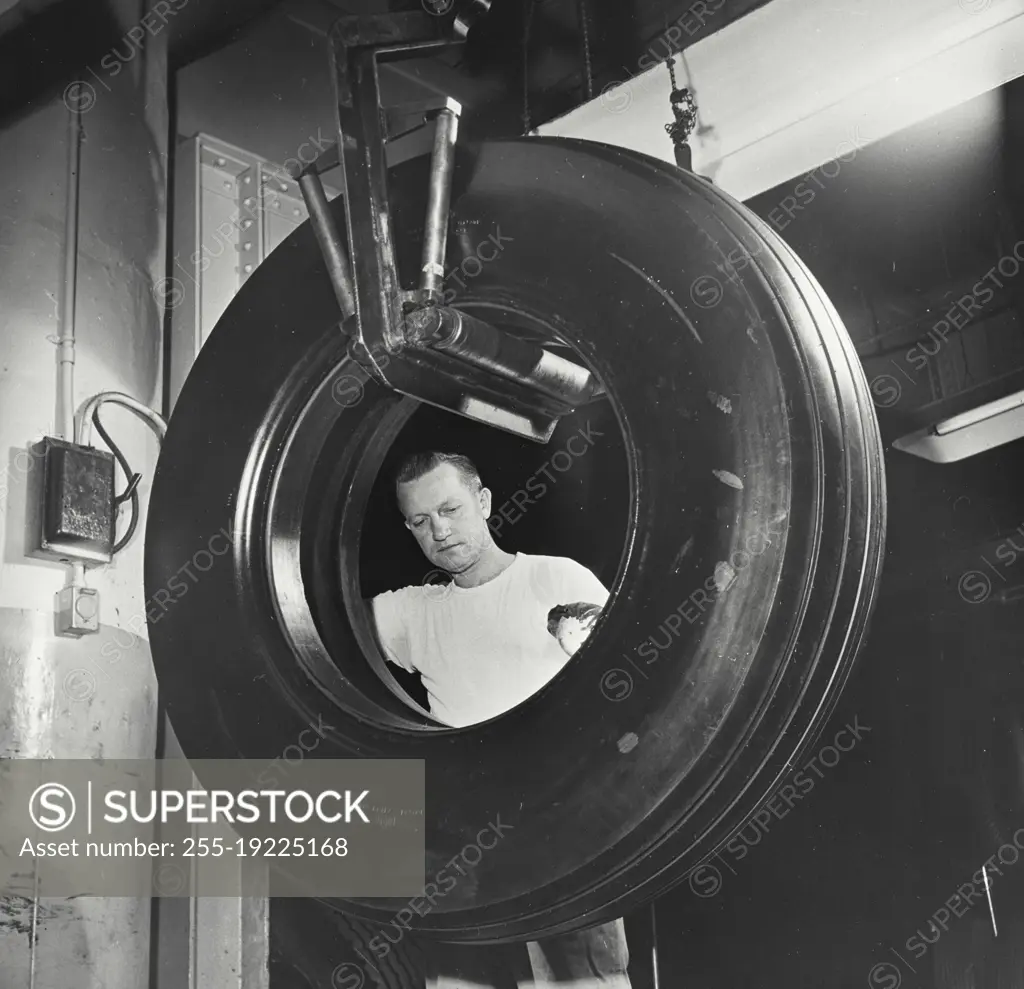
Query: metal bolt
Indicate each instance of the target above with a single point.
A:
(247, 268)
(297, 211)
(275, 203)
(249, 201)
(227, 184)
(221, 162)
(246, 224)
(247, 246)
(248, 178)
(284, 186)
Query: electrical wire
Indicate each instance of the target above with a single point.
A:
(132, 480)
(90, 418)
(155, 421)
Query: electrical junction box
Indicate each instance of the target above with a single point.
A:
(78, 611)
(76, 505)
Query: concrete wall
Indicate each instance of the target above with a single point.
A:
(64, 698)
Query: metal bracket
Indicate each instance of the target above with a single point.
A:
(406, 340)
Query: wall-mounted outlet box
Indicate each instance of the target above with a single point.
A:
(78, 611)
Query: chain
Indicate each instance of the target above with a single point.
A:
(527, 23)
(671, 63)
(684, 109)
(588, 80)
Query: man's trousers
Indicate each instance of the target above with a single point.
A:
(592, 959)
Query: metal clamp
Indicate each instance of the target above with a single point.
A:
(404, 339)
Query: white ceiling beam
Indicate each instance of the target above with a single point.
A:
(798, 83)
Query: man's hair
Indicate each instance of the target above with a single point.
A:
(418, 464)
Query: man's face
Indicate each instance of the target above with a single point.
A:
(447, 518)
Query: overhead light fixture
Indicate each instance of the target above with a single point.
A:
(968, 433)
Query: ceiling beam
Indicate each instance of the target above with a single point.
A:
(434, 75)
(826, 85)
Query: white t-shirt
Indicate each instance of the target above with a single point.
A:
(483, 650)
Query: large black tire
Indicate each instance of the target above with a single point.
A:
(756, 519)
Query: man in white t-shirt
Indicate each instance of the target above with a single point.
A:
(480, 641)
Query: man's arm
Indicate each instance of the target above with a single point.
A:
(392, 634)
(581, 596)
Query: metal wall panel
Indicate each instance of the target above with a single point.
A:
(232, 208)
